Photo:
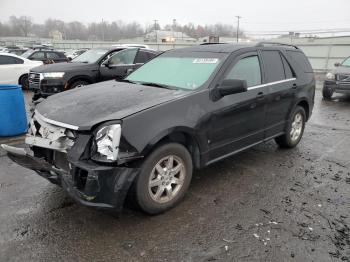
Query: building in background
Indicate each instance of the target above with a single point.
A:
(56, 35)
(161, 36)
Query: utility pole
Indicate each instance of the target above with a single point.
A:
(103, 31)
(238, 17)
(155, 29)
(173, 27)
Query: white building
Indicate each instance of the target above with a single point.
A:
(161, 36)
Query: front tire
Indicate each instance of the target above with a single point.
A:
(164, 178)
(23, 81)
(78, 83)
(327, 93)
(295, 129)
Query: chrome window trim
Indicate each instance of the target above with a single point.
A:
(271, 83)
(56, 123)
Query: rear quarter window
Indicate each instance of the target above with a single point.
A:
(301, 60)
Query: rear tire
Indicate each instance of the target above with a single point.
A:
(295, 129)
(327, 93)
(78, 83)
(164, 178)
(23, 81)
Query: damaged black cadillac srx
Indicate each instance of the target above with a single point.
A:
(183, 110)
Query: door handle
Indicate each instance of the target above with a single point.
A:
(294, 86)
(260, 95)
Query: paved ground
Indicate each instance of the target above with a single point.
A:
(265, 204)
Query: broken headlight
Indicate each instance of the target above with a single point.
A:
(106, 143)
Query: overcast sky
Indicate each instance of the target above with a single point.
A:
(257, 15)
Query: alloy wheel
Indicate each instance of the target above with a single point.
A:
(166, 179)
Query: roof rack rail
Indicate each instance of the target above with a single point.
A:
(207, 43)
(261, 44)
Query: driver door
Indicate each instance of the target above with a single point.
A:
(238, 120)
(117, 66)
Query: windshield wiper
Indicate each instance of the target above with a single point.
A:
(157, 85)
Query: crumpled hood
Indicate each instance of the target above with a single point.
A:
(61, 67)
(87, 106)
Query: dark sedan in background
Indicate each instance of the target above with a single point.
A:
(95, 65)
(45, 56)
(337, 81)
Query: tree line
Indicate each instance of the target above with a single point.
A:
(105, 31)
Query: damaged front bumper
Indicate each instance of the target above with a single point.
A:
(86, 182)
(337, 86)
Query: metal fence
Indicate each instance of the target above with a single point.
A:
(322, 52)
(323, 56)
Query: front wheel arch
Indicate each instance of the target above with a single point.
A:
(79, 78)
(179, 135)
(304, 104)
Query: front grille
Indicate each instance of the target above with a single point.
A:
(49, 89)
(342, 77)
(34, 80)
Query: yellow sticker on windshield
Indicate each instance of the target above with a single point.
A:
(205, 61)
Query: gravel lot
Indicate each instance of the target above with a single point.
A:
(265, 204)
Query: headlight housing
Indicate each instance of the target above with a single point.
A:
(53, 75)
(106, 143)
(330, 76)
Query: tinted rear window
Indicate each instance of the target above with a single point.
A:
(273, 66)
(301, 60)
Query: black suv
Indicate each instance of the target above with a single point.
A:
(94, 65)
(185, 109)
(338, 80)
(46, 56)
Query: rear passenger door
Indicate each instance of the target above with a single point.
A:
(38, 56)
(54, 57)
(280, 79)
(11, 68)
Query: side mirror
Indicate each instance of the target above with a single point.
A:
(232, 86)
(337, 64)
(107, 63)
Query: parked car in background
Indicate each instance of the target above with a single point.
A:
(42, 47)
(9, 48)
(45, 56)
(132, 45)
(338, 80)
(74, 53)
(93, 66)
(18, 52)
(183, 110)
(14, 69)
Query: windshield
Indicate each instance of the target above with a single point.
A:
(187, 72)
(90, 56)
(346, 62)
(27, 53)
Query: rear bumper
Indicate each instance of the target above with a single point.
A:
(337, 86)
(87, 183)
